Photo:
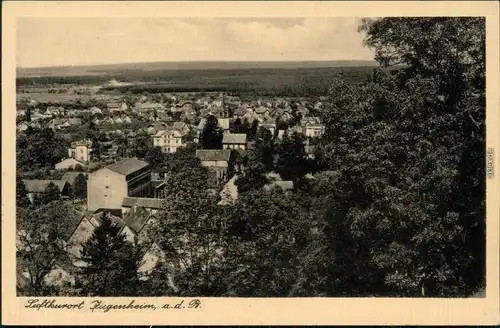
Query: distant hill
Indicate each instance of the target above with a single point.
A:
(194, 65)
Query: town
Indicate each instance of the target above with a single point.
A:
(251, 178)
(120, 157)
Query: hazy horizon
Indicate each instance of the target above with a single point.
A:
(64, 42)
(197, 61)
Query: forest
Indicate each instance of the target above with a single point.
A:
(394, 205)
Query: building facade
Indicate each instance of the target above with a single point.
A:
(107, 187)
(169, 140)
(234, 141)
(217, 161)
(81, 150)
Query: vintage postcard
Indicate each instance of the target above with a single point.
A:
(250, 163)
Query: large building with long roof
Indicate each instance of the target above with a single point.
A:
(107, 187)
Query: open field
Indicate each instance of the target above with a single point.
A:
(280, 81)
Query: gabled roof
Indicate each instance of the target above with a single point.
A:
(179, 125)
(213, 154)
(71, 176)
(128, 166)
(234, 138)
(137, 219)
(37, 186)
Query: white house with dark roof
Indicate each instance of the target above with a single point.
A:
(80, 150)
(217, 161)
(312, 127)
(107, 187)
(234, 141)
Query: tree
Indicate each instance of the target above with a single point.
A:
(189, 232)
(27, 117)
(292, 163)
(155, 157)
(39, 148)
(267, 230)
(408, 203)
(252, 132)
(41, 236)
(253, 177)
(141, 145)
(236, 126)
(22, 199)
(211, 136)
(50, 194)
(80, 187)
(112, 262)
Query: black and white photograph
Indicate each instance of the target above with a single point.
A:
(251, 157)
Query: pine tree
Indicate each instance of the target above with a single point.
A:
(211, 136)
(112, 263)
(80, 187)
(22, 199)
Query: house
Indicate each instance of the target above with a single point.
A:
(20, 112)
(118, 120)
(268, 124)
(134, 225)
(217, 161)
(312, 127)
(200, 128)
(107, 186)
(115, 107)
(158, 174)
(234, 141)
(164, 118)
(84, 228)
(81, 150)
(152, 205)
(169, 140)
(127, 120)
(223, 123)
(70, 177)
(59, 123)
(262, 111)
(155, 127)
(148, 107)
(69, 164)
(108, 120)
(96, 121)
(182, 127)
(95, 110)
(37, 187)
(36, 116)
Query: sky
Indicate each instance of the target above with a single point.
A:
(45, 42)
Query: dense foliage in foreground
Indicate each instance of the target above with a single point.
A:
(397, 203)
